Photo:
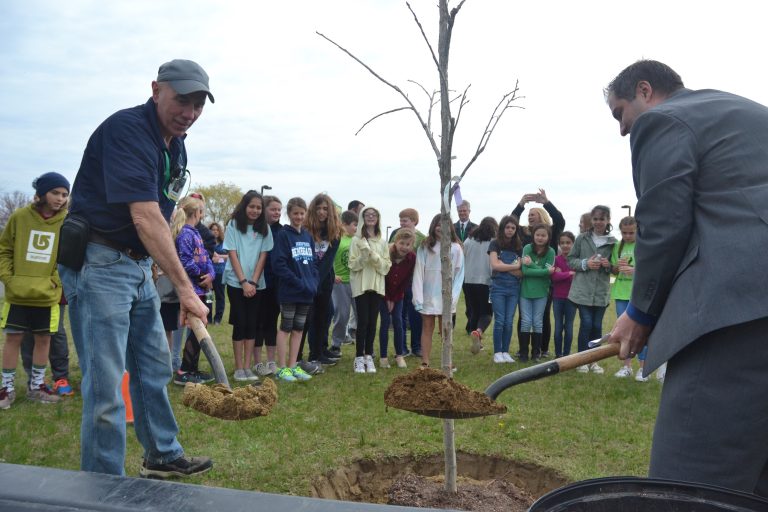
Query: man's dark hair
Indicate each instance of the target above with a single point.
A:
(661, 77)
(353, 205)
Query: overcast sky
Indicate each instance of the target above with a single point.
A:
(288, 103)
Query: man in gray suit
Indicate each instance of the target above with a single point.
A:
(700, 169)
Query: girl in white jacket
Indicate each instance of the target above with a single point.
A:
(427, 282)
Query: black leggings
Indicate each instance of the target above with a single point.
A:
(480, 309)
(367, 316)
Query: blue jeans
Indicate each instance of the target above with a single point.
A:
(590, 324)
(114, 311)
(414, 321)
(532, 314)
(504, 301)
(396, 319)
(565, 312)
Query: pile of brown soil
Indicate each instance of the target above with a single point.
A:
(494, 496)
(431, 392)
(239, 404)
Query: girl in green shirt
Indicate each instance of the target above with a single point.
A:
(535, 288)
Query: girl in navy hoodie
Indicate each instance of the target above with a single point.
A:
(294, 265)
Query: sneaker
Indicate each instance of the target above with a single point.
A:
(477, 344)
(596, 368)
(400, 360)
(349, 340)
(7, 398)
(249, 375)
(330, 355)
(43, 394)
(407, 353)
(384, 362)
(335, 352)
(260, 369)
(181, 379)
(639, 377)
(325, 361)
(583, 369)
(179, 467)
(369, 366)
(546, 354)
(204, 377)
(271, 368)
(286, 374)
(498, 357)
(625, 371)
(507, 358)
(310, 367)
(299, 373)
(661, 373)
(241, 376)
(359, 365)
(63, 388)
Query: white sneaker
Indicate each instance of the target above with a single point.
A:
(384, 362)
(498, 357)
(639, 377)
(596, 368)
(507, 358)
(400, 360)
(661, 373)
(359, 365)
(240, 375)
(271, 368)
(624, 371)
(369, 366)
(249, 375)
(583, 369)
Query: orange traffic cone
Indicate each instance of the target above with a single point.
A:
(127, 398)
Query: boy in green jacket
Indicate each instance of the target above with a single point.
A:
(28, 248)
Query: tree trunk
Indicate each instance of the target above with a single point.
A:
(444, 43)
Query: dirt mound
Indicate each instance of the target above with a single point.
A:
(494, 496)
(239, 404)
(429, 391)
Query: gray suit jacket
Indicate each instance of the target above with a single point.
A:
(700, 168)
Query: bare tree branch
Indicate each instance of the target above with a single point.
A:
(382, 114)
(426, 40)
(463, 102)
(504, 104)
(396, 88)
(432, 104)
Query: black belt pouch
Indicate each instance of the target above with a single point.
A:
(73, 241)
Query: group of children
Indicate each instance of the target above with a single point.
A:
(323, 268)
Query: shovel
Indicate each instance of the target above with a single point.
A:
(602, 351)
(209, 349)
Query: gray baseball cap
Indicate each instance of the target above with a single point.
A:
(185, 76)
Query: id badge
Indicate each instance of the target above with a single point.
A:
(175, 187)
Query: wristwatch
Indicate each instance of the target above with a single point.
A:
(243, 281)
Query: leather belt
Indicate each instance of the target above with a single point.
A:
(131, 253)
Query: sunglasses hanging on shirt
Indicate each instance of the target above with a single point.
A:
(175, 179)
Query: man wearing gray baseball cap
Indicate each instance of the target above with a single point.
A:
(133, 169)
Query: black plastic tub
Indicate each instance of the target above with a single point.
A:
(629, 494)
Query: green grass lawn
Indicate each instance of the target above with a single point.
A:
(583, 425)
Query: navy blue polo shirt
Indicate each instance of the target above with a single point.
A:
(125, 162)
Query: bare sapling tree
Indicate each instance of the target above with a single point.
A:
(443, 152)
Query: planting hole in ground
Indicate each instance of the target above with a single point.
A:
(485, 483)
